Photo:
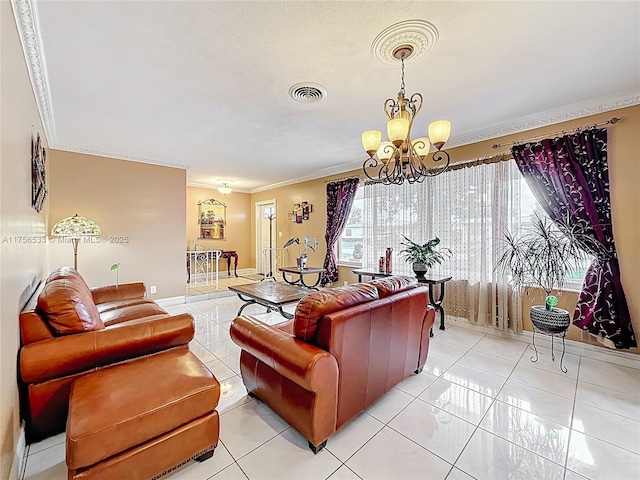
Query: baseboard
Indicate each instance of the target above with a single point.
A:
(20, 457)
(625, 359)
(167, 302)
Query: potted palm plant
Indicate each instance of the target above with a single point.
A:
(423, 257)
(541, 258)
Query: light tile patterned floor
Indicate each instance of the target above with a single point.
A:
(481, 409)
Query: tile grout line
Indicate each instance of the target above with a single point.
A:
(573, 412)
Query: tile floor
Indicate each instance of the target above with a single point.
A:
(480, 409)
(200, 287)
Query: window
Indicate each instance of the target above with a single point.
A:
(350, 246)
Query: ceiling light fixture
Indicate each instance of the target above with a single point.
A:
(225, 189)
(402, 159)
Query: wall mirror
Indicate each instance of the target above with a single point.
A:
(212, 216)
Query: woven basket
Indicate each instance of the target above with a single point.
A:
(552, 321)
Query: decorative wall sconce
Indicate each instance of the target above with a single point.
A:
(300, 212)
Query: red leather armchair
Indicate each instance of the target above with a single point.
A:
(344, 349)
(68, 330)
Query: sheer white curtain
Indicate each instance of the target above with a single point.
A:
(468, 209)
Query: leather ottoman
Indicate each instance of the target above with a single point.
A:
(141, 419)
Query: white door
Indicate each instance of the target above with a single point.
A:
(265, 210)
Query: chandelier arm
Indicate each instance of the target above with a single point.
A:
(372, 163)
(439, 156)
(390, 107)
(415, 103)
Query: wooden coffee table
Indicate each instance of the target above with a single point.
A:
(272, 295)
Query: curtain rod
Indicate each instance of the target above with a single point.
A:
(501, 157)
(359, 177)
(613, 121)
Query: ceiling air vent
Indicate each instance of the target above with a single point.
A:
(307, 92)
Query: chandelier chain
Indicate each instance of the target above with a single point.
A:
(402, 83)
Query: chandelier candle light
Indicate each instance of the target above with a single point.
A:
(402, 159)
(75, 228)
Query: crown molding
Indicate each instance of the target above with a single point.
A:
(325, 172)
(551, 117)
(117, 156)
(215, 187)
(27, 22)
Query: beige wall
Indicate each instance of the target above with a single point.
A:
(144, 203)
(22, 264)
(238, 227)
(313, 192)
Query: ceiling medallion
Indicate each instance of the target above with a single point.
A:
(419, 34)
(401, 158)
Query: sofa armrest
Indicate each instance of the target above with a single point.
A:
(112, 293)
(62, 356)
(304, 364)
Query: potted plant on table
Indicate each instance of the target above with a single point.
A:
(423, 257)
(307, 243)
(541, 257)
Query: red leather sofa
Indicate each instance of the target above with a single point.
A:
(344, 349)
(68, 330)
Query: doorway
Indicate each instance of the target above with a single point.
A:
(266, 231)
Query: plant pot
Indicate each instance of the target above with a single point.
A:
(420, 269)
(301, 262)
(556, 320)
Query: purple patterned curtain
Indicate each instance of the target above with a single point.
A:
(569, 177)
(340, 197)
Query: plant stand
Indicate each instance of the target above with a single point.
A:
(554, 323)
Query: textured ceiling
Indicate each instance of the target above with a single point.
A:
(204, 84)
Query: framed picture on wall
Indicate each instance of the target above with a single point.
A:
(212, 216)
(38, 174)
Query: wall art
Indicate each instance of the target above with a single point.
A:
(38, 177)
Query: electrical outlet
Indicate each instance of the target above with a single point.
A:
(345, 283)
(153, 289)
(279, 234)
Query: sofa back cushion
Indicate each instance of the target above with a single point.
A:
(389, 285)
(316, 305)
(67, 305)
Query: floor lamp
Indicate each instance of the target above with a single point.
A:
(75, 228)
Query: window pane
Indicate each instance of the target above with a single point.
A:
(350, 243)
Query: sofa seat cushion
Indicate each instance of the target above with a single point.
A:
(131, 312)
(126, 405)
(108, 306)
(318, 304)
(67, 307)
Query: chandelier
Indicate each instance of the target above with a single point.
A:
(401, 158)
(225, 189)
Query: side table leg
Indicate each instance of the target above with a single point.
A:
(437, 304)
(235, 265)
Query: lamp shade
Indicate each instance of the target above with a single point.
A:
(421, 146)
(385, 151)
(397, 130)
(225, 189)
(371, 141)
(439, 132)
(75, 227)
